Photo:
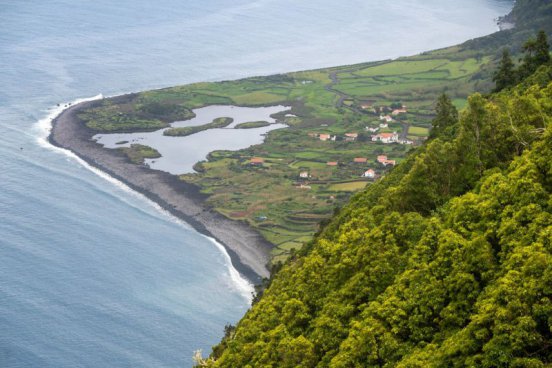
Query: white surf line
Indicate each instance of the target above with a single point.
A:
(244, 287)
(44, 127)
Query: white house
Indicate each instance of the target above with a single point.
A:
(386, 138)
(371, 174)
(386, 118)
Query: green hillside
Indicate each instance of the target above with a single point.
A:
(445, 262)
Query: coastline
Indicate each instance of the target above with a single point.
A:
(248, 250)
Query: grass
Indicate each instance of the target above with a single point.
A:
(348, 187)
(402, 67)
(252, 124)
(418, 131)
(185, 131)
(137, 114)
(258, 98)
(138, 152)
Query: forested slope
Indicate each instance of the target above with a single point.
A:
(447, 261)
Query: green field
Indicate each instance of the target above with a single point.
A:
(348, 187)
(418, 131)
(185, 131)
(136, 153)
(252, 124)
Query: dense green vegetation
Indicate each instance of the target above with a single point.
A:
(252, 124)
(445, 262)
(138, 152)
(184, 131)
(536, 52)
(138, 114)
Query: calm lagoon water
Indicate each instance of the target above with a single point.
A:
(93, 275)
(179, 154)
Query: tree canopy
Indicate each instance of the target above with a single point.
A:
(446, 117)
(505, 76)
(445, 262)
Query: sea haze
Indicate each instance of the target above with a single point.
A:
(93, 275)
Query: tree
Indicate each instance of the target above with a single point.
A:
(445, 119)
(542, 49)
(505, 76)
(536, 54)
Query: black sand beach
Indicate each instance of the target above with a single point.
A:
(248, 250)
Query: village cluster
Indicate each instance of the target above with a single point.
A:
(370, 173)
(379, 133)
(383, 137)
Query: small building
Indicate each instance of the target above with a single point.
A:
(313, 135)
(351, 137)
(386, 118)
(406, 141)
(360, 160)
(370, 174)
(382, 159)
(372, 130)
(398, 111)
(303, 186)
(386, 138)
(384, 125)
(256, 161)
(304, 175)
(325, 137)
(332, 163)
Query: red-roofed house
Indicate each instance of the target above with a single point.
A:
(360, 160)
(256, 161)
(382, 159)
(386, 118)
(386, 137)
(332, 163)
(351, 136)
(402, 110)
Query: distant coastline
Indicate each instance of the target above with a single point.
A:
(248, 250)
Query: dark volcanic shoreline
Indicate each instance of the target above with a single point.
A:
(248, 250)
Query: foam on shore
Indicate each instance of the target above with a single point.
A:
(44, 126)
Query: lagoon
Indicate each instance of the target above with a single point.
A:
(179, 154)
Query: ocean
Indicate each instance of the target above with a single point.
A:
(93, 274)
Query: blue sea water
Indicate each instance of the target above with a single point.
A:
(92, 274)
